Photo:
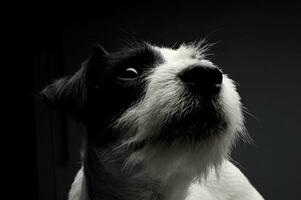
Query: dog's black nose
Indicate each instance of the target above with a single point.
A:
(206, 78)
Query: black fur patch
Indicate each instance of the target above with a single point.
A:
(95, 95)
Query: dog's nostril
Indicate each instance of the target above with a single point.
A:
(203, 76)
(198, 74)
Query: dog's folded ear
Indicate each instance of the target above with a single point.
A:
(69, 94)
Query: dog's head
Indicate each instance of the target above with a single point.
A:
(170, 110)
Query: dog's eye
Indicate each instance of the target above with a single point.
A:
(129, 73)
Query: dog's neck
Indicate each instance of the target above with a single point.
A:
(106, 179)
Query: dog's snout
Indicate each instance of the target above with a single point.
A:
(207, 77)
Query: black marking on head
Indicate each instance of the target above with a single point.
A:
(140, 56)
(95, 95)
(114, 95)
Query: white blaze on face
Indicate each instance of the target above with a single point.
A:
(163, 98)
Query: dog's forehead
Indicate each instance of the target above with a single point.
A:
(135, 56)
(184, 52)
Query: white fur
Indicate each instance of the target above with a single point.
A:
(164, 97)
(185, 171)
(78, 189)
(231, 184)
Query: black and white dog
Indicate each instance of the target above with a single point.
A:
(160, 125)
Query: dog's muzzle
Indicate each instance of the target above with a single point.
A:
(203, 79)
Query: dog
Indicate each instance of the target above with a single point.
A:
(160, 125)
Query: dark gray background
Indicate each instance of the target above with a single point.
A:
(258, 45)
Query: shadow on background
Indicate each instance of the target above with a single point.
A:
(258, 45)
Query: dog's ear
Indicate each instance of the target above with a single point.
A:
(69, 94)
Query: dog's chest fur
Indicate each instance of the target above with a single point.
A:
(230, 184)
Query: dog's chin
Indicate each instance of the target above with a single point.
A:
(195, 126)
(191, 144)
(197, 121)
(162, 161)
